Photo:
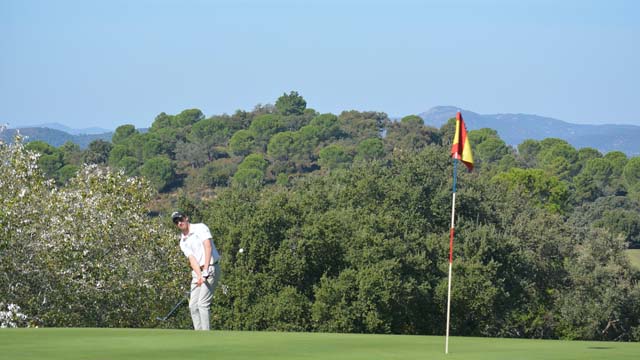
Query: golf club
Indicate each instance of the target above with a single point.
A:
(174, 308)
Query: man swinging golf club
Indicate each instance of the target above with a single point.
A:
(197, 245)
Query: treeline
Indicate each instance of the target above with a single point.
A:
(344, 224)
(197, 156)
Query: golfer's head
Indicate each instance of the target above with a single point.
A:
(179, 218)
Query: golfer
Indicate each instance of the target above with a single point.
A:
(197, 245)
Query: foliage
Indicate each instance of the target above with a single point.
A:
(291, 104)
(122, 133)
(85, 254)
(370, 149)
(601, 290)
(543, 190)
(12, 317)
(343, 220)
(98, 152)
(248, 177)
(631, 174)
(334, 157)
(159, 171)
(242, 142)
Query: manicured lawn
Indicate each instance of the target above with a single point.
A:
(139, 344)
(634, 257)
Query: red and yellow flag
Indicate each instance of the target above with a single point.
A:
(461, 149)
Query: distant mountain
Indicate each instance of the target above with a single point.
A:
(515, 128)
(53, 137)
(72, 131)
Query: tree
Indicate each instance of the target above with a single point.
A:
(410, 134)
(488, 148)
(594, 180)
(66, 173)
(195, 154)
(491, 150)
(283, 146)
(40, 147)
(50, 164)
(588, 153)
(292, 104)
(211, 133)
(153, 147)
(49, 160)
(528, 151)
(559, 158)
(162, 120)
(72, 257)
(216, 173)
(242, 142)
(334, 157)
(248, 177)
(327, 125)
(187, 117)
(118, 152)
(362, 125)
(162, 142)
(544, 190)
(370, 149)
(71, 153)
(619, 215)
(599, 293)
(263, 127)
(254, 161)
(123, 133)
(412, 121)
(159, 171)
(129, 165)
(631, 174)
(98, 152)
(618, 160)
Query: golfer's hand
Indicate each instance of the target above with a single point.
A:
(200, 281)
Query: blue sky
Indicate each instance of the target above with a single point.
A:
(115, 62)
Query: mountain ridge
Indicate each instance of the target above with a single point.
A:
(515, 128)
(53, 137)
(69, 130)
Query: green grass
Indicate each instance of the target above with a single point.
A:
(634, 257)
(140, 344)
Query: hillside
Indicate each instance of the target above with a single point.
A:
(54, 137)
(515, 128)
(512, 128)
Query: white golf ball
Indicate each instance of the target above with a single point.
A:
(241, 250)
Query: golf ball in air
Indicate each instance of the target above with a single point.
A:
(241, 250)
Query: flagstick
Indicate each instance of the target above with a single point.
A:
(451, 233)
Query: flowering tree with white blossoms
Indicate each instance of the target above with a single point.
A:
(12, 317)
(86, 254)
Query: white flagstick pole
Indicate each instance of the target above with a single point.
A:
(451, 233)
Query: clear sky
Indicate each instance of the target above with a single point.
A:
(107, 63)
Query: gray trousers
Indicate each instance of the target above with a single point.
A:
(200, 300)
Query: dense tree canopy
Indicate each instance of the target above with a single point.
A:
(343, 221)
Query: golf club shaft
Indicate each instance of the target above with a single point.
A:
(173, 310)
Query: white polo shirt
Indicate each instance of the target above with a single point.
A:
(192, 243)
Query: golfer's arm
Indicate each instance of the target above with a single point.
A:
(207, 253)
(194, 265)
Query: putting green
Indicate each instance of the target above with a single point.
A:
(139, 344)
